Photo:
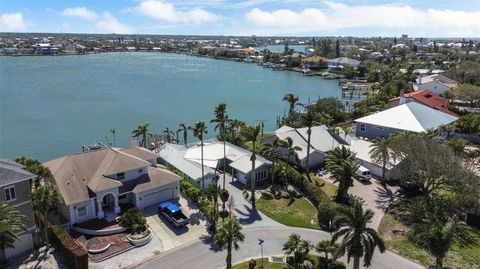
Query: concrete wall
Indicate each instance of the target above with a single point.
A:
(73, 211)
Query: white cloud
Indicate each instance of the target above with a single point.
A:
(12, 22)
(81, 12)
(388, 18)
(167, 12)
(109, 24)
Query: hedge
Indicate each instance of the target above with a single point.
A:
(76, 256)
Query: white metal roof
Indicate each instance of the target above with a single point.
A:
(362, 149)
(411, 116)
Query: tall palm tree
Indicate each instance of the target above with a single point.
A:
(298, 248)
(347, 130)
(228, 237)
(11, 221)
(44, 199)
(221, 119)
(292, 101)
(142, 130)
(291, 151)
(113, 131)
(199, 131)
(327, 247)
(184, 127)
(250, 134)
(35, 167)
(271, 151)
(168, 135)
(309, 120)
(341, 162)
(357, 239)
(381, 154)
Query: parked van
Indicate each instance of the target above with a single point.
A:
(362, 174)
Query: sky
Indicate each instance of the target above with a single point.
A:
(364, 18)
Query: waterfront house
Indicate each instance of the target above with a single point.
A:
(188, 160)
(94, 183)
(45, 49)
(338, 64)
(437, 83)
(315, 62)
(16, 192)
(413, 117)
(322, 140)
(424, 97)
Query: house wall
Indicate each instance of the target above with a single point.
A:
(374, 131)
(434, 86)
(73, 211)
(316, 160)
(22, 201)
(376, 170)
(131, 174)
(244, 178)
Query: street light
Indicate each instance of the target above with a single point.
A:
(260, 242)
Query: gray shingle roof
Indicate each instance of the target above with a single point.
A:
(11, 172)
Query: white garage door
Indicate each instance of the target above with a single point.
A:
(241, 177)
(24, 243)
(153, 197)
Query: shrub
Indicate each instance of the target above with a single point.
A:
(75, 255)
(327, 210)
(267, 195)
(134, 221)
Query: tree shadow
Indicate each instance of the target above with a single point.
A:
(385, 197)
(207, 240)
(251, 215)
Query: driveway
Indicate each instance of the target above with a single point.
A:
(375, 197)
(243, 209)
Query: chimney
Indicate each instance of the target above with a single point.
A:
(403, 99)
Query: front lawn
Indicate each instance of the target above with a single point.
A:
(295, 212)
(394, 234)
(327, 187)
(266, 264)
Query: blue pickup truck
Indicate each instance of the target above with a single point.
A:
(173, 214)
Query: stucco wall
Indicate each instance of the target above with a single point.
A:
(373, 131)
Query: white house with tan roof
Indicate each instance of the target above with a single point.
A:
(94, 183)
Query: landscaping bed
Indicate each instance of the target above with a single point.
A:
(294, 211)
(394, 234)
(266, 264)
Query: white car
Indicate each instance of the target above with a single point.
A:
(362, 174)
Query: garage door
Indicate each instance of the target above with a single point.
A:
(153, 197)
(24, 243)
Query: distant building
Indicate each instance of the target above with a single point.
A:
(437, 83)
(424, 97)
(412, 117)
(15, 191)
(46, 49)
(315, 62)
(338, 64)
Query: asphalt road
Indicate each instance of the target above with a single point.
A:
(203, 255)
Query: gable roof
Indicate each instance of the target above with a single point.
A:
(429, 99)
(11, 172)
(344, 61)
(140, 152)
(411, 116)
(437, 78)
(77, 173)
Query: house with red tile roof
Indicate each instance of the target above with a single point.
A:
(424, 97)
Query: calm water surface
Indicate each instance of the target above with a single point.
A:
(50, 106)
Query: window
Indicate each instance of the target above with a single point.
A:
(122, 196)
(140, 170)
(120, 176)
(261, 175)
(82, 211)
(10, 194)
(363, 127)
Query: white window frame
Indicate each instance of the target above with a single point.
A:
(10, 188)
(363, 127)
(78, 211)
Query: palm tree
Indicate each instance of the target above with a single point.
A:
(347, 130)
(185, 128)
(357, 239)
(429, 133)
(436, 238)
(298, 247)
(309, 120)
(11, 222)
(233, 126)
(228, 237)
(292, 101)
(113, 131)
(44, 199)
(457, 144)
(142, 130)
(221, 119)
(199, 131)
(380, 153)
(291, 151)
(341, 162)
(168, 135)
(271, 152)
(35, 167)
(250, 133)
(327, 247)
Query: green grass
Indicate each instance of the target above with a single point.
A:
(299, 213)
(327, 187)
(394, 233)
(266, 265)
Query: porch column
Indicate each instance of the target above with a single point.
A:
(116, 208)
(100, 213)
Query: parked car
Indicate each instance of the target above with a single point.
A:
(173, 214)
(362, 174)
